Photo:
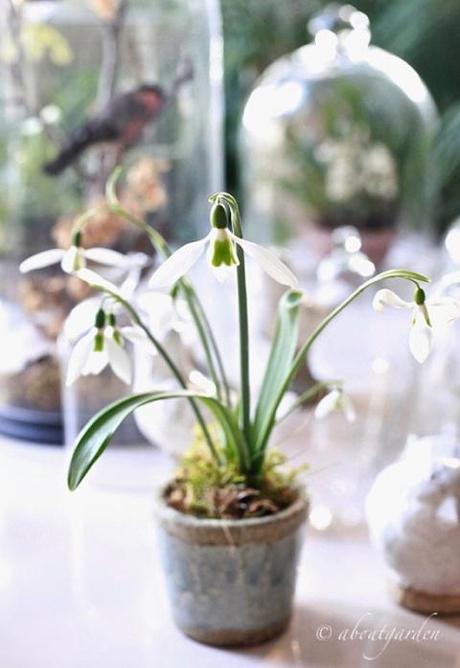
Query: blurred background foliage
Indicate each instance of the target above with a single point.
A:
(423, 32)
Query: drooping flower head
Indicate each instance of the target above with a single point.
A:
(428, 317)
(73, 260)
(104, 345)
(336, 400)
(222, 244)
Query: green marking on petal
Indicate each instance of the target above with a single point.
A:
(99, 342)
(426, 315)
(117, 337)
(223, 252)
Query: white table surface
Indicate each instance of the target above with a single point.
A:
(81, 585)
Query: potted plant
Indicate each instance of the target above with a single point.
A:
(231, 520)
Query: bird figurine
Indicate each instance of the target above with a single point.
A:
(122, 122)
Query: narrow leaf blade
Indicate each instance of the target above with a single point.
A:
(280, 360)
(97, 434)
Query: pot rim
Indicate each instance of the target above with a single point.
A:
(166, 513)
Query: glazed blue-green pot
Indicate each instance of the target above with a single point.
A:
(231, 582)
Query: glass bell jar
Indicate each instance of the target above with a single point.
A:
(88, 86)
(337, 133)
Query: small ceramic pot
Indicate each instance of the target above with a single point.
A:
(231, 582)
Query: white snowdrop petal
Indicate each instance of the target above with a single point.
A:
(348, 408)
(139, 339)
(79, 357)
(73, 260)
(222, 273)
(118, 360)
(443, 311)
(446, 281)
(268, 262)
(327, 404)
(161, 312)
(134, 334)
(106, 256)
(158, 305)
(387, 297)
(420, 340)
(40, 260)
(178, 264)
(81, 318)
(96, 363)
(96, 281)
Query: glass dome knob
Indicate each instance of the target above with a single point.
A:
(340, 28)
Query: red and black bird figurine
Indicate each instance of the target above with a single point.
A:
(122, 122)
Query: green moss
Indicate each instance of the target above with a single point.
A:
(203, 488)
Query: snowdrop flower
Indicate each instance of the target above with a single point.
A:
(81, 317)
(73, 260)
(104, 345)
(222, 255)
(336, 400)
(428, 316)
(164, 313)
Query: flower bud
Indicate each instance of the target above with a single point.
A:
(419, 297)
(218, 217)
(99, 321)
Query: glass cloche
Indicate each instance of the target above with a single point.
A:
(338, 133)
(88, 85)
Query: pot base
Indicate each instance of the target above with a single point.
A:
(421, 601)
(237, 637)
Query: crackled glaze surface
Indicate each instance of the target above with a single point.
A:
(231, 582)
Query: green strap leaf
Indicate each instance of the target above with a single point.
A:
(279, 363)
(97, 434)
(264, 431)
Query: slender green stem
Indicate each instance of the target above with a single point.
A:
(215, 347)
(204, 330)
(243, 320)
(175, 371)
(299, 359)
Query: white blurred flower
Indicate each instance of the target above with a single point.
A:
(428, 316)
(336, 400)
(164, 313)
(73, 259)
(104, 345)
(355, 166)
